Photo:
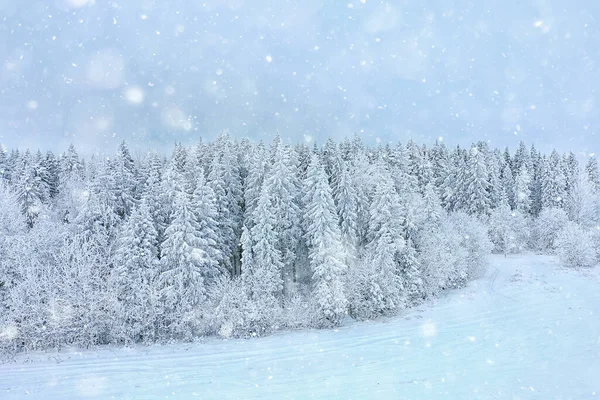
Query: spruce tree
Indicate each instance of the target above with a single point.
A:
(386, 243)
(126, 181)
(346, 200)
(135, 275)
(570, 170)
(70, 165)
(225, 180)
(553, 182)
(205, 210)
(495, 188)
(263, 265)
(283, 190)
(591, 169)
(4, 173)
(523, 190)
(254, 183)
(432, 208)
(324, 243)
(536, 182)
(185, 261)
(474, 186)
(52, 167)
(412, 283)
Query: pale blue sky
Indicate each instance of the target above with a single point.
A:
(94, 72)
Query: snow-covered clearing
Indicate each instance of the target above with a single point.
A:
(528, 329)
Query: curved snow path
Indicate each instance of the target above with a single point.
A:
(529, 329)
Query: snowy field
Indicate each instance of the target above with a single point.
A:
(529, 329)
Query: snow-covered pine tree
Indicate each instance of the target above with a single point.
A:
(440, 160)
(357, 145)
(325, 248)
(126, 181)
(418, 164)
(450, 194)
(303, 152)
(522, 158)
(591, 168)
(412, 283)
(134, 279)
(553, 182)
(71, 167)
(20, 165)
(244, 150)
(432, 209)
(361, 171)
(404, 181)
(153, 193)
(185, 262)
(41, 174)
(474, 187)
(386, 242)
(225, 180)
(179, 158)
(283, 190)
(30, 192)
(4, 173)
(570, 167)
(199, 160)
(536, 182)
(173, 181)
(205, 210)
(52, 168)
(265, 272)
(346, 149)
(256, 175)
(346, 200)
(11, 165)
(12, 224)
(508, 160)
(98, 222)
(495, 188)
(329, 159)
(523, 190)
(247, 260)
(263, 267)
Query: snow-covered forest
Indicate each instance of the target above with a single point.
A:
(239, 239)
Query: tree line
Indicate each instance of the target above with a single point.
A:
(235, 238)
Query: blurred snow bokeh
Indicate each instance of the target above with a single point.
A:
(95, 72)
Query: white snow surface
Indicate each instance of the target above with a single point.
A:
(528, 329)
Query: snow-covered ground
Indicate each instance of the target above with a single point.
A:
(529, 329)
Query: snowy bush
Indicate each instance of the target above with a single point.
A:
(575, 247)
(410, 275)
(61, 297)
(297, 312)
(233, 314)
(439, 257)
(508, 230)
(366, 292)
(582, 202)
(452, 252)
(472, 236)
(546, 228)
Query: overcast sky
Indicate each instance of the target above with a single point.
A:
(94, 72)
